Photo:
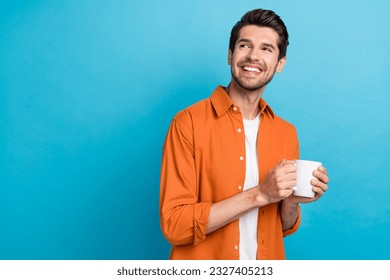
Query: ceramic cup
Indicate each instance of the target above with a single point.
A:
(305, 170)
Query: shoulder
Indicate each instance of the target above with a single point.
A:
(196, 110)
(186, 120)
(283, 124)
(276, 122)
(285, 138)
(285, 130)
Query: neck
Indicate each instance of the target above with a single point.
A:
(247, 100)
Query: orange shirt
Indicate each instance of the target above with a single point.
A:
(204, 162)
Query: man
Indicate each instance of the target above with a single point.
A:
(228, 161)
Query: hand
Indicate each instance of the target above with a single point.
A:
(320, 186)
(279, 181)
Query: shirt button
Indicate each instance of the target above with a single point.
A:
(235, 109)
(241, 158)
(236, 247)
(240, 187)
(239, 130)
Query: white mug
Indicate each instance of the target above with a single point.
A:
(305, 170)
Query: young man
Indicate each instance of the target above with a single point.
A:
(228, 162)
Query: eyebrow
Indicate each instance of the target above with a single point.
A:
(244, 40)
(263, 44)
(268, 45)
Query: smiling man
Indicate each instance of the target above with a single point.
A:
(228, 162)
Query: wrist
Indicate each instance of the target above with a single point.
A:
(289, 203)
(260, 197)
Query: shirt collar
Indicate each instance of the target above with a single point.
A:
(222, 102)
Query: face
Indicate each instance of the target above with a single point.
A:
(255, 57)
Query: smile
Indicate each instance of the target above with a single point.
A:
(251, 69)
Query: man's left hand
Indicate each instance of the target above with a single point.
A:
(320, 186)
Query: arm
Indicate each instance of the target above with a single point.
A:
(230, 209)
(289, 210)
(277, 185)
(183, 218)
(289, 214)
(290, 205)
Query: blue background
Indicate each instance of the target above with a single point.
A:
(88, 89)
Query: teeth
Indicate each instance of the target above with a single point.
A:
(253, 69)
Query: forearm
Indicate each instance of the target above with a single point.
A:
(288, 213)
(230, 209)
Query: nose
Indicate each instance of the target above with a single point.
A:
(253, 55)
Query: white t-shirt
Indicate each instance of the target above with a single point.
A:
(248, 222)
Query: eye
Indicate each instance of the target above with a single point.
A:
(244, 46)
(267, 49)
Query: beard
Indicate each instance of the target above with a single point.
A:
(249, 84)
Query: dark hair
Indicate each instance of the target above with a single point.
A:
(262, 18)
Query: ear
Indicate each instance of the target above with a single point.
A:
(230, 57)
(281, 64)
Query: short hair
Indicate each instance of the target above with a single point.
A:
(262, 18)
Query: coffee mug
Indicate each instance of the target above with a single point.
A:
(305, 170)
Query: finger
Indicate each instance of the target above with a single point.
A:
(322, 169)
(318, 184)
(281, 177)
(288, 167)
(285, 172)
(288, 185)
(321, 176)
(286, 161)
(285, 193)
(318, 192)
(291, 178)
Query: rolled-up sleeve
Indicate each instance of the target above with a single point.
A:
(295, 145)
(183, 217)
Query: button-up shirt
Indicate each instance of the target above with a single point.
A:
(204, 162)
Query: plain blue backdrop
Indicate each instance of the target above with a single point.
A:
(88, 89)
